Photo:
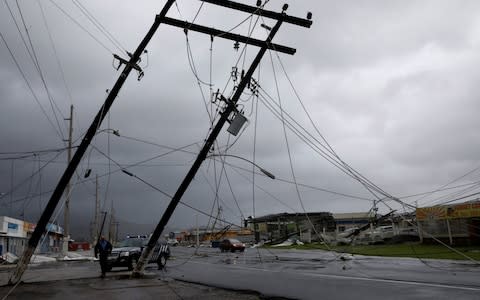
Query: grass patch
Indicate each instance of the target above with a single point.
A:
(414, 250)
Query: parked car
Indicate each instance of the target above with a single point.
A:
(380, 234)
(231, 245)
(172, 242)
(126, 253)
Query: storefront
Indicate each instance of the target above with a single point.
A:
(13, 237)
(455, 224)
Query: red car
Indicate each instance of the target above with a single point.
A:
(232, 245)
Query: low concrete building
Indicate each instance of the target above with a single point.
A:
(346, 221)
(283, 225)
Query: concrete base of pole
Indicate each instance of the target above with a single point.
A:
(138, 271)
(65, 246)
(21, 265)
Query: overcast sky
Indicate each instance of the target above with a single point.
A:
(391, 85)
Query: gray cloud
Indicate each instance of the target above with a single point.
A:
(391, 85)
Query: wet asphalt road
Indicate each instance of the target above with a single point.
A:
(295, 274)
(301, 274)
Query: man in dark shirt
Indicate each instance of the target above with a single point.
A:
(102, 249)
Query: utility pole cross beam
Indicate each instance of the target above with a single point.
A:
(262, 12)
(229, 36)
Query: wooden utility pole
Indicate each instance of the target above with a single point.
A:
(130, 64)
(197, 240)
(66, 210)
(231, 108)
(96, 221)
(111, 226)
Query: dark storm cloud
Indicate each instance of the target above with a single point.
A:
(391, 85)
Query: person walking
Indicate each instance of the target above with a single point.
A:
(102, 249)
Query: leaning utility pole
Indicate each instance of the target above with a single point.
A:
(231, 107)
(82, 148)
(66, 211)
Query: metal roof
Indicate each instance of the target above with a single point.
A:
(354, 215)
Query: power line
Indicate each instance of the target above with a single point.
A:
(160, 145)
(357, 175)
(28, 178)
(306, 137)
(20, 32)
(455, 194)
(292, 170)
(35, 151)
(439, 190)
(57, 59)
(447, 184)
(99, 26)
(103, 175)
(81, 27)
(233, 194)
(124, 170)
(30, 87)
(461, 198)
(298, 183)
(234, 166)
(264, 190)
(181, 202)
(195, 73)
(224, 204)
(324, 190)
(53, 104)
(224, 171)
(431, 236)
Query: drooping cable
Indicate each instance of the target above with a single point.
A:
(99, 26)
(287, 144)
(263, 189)
(365, 181)
(124, 170)
(53, 104)
(306, 137)
(81, 27)
(138, 163)
(37, 100)
(449, 183)
(14, 188)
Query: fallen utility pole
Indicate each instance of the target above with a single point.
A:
(72, 166)
(230, 108)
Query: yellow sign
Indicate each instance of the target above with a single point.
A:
(455, 211)
(28, 227)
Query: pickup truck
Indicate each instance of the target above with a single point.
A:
(126, 253)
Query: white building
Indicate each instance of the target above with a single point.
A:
(13, 235)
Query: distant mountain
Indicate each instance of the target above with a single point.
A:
(80, 228)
